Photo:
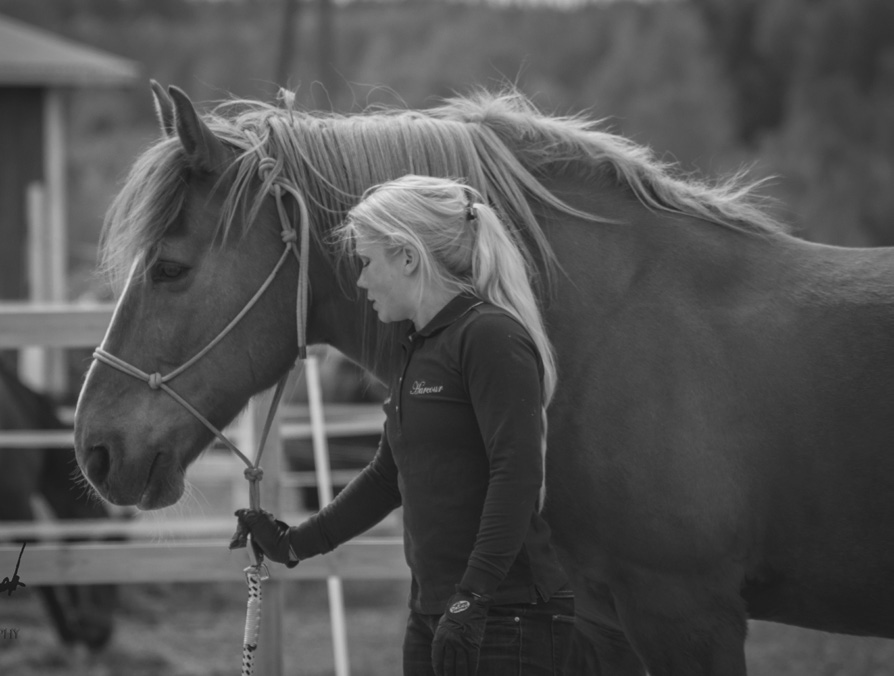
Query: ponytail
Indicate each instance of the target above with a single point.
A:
(501, 276)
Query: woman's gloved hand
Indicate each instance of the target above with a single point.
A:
(457, 643)
(269, 536)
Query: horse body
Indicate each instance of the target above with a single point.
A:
(721, 427)
(80, 614)
(719, 447)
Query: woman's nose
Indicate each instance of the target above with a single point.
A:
(361, 280)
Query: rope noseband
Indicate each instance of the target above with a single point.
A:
(270, 173)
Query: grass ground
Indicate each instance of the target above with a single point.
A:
(196, 630)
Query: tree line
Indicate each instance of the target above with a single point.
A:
(800, 89)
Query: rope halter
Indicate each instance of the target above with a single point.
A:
(270, 173)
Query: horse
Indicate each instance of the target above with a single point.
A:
(81, 614)
(719, 446)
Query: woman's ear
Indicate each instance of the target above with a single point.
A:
(410, 260)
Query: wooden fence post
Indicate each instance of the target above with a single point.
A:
(324, 491)
(270, 641)
(35, 362)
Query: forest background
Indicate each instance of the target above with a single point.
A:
(798, 90)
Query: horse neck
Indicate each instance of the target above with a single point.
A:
(640, 249)
(638, 242)
(343, 319)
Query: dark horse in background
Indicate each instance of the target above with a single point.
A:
(80, 614)
(721, 444)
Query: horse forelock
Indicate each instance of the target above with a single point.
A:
(144, 209)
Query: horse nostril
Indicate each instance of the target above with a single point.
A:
(97, 466)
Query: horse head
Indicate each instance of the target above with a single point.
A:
(207, 209)
(193, 266)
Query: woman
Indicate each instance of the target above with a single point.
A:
(463, 441)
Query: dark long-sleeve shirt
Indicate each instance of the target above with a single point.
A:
(462, 453)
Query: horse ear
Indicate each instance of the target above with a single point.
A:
(164, 108)
(204, 149)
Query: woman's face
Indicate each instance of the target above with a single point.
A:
(386, 277)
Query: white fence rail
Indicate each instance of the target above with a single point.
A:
(191, 561)
(197, 550)
(52, 325)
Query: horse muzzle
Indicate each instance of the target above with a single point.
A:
(147, 479)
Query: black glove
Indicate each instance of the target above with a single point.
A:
(269, 536)
(460, 631)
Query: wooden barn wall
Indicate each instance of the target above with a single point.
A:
(21, 162)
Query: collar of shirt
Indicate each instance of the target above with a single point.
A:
(455, 308)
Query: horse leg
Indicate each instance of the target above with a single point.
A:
(692, 625)
(86, 611)
(16, 506)
(599, 650)
(599, 646)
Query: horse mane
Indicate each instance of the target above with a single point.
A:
(498, 142)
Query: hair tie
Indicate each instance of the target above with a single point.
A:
(471, 211)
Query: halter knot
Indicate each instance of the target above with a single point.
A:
(289, 236)
(254, 473)
(155, 380)
(266, 167)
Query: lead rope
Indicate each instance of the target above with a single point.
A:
(269, 170)
(256, 572)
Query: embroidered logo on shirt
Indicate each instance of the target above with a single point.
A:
(420, 387)
(459, 606)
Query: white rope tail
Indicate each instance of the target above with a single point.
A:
(254, 577)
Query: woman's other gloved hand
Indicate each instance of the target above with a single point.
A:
(457, 643)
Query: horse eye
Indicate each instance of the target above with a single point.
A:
(166, 271)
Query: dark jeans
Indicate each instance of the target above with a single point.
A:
(526, 639)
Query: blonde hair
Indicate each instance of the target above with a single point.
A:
(462, 243)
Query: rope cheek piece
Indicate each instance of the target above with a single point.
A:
(269, 171)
